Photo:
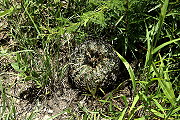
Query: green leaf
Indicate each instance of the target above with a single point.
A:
(164, 86)
(119, 20)
(175, 110)
(96, 17)
(125, 100)
(134, 111)
(154, 8)
(157, 113)
(104, 101)
(142, 118)
(122, 114)
(3, 99)
(6, 12)
(149, 47)
(161, 20)
(15, 66)
(35, 74)
(130, 70)
(56, 115)
(72, 27)
(178, 99)
(159, 106)
(31, 18)
(136, 98)
(163, 45)
(27, 78)
(12, 53)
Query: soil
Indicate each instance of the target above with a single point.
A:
(65, 100)
(61, 100)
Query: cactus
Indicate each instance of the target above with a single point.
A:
(93, 65)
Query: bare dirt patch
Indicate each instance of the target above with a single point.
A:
(66, 102)
(60, 99)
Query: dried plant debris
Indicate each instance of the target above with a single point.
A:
(94, 65)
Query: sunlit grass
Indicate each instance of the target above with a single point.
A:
(42, 30)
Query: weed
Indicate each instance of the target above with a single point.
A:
(41, 35)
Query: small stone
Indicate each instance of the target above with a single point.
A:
(46, 117)
(50, 111)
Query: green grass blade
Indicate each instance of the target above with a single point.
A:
(14, 111)
(161, 20)
(169, 93)
(32, 116)
(130, 70)
(154, 8)
(32, 20)
(134, 111)
(142, 118)
(122, 114)
(163, 45)
(125, 101)
(12, 53)
(9, 11)
(178, 99)
(167, 83)
(54, 116)
(159, 106)
(175, 110)
(3, 98)
(136, 98)
(149, 48)
(157, 113)
(119, 21)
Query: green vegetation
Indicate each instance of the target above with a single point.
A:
(36, 34)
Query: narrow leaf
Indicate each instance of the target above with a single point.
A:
(6, 12)
(134, 103)
(54, 116)
(163, 45)
(35, 26)
(157, 6)
(122, 114)
(142, 118)
(157, 113)
(15, 66)
(166, 84)
(134, 111)
(130, 70)
(159, 106)
(175, 110)
(167, 91)
(161, 20)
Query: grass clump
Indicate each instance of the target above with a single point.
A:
(38, 37)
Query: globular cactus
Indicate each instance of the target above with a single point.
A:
(93, 65)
